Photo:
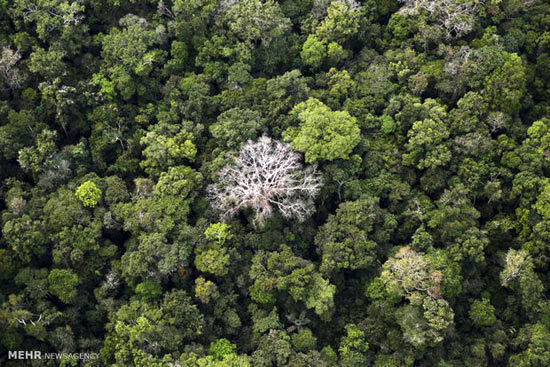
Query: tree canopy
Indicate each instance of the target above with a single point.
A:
(261, 183)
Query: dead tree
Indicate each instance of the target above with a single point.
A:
(266, 174)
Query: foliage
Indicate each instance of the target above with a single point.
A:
(62, 283)
(88, 193)
(294, 183)
(323, 134)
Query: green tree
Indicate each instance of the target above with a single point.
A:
(129, 56)
(51, 16)
(88, 193)
(141, 333)
(427, 146)
(215, 261)
(205, 290)
(323, 134)
(63, 283)
(506, 85)
(153, 256)
(537, 352)
(353, 347)
(235, 126)
(482, 313)
(313, 52)
(341, 22)
(220, 348)
(352, 238)
(181, 181)
(166, 145)
(256, 20)
(519, 275)
(149, 289)
(297, 276)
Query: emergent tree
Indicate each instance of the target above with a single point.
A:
(266, 174)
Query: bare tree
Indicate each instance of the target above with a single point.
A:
(497, 121)
(517, 263)
(319, 7)
(455, 17)
(457, 60)
(266, 174)
(11, 75)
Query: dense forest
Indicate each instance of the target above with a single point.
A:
(257, 183)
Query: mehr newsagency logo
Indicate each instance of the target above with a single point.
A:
(36, 354)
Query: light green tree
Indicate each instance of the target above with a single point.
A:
(323, 134)
(88, 193)
(313, 52)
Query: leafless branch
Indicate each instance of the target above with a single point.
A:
(266, 174)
